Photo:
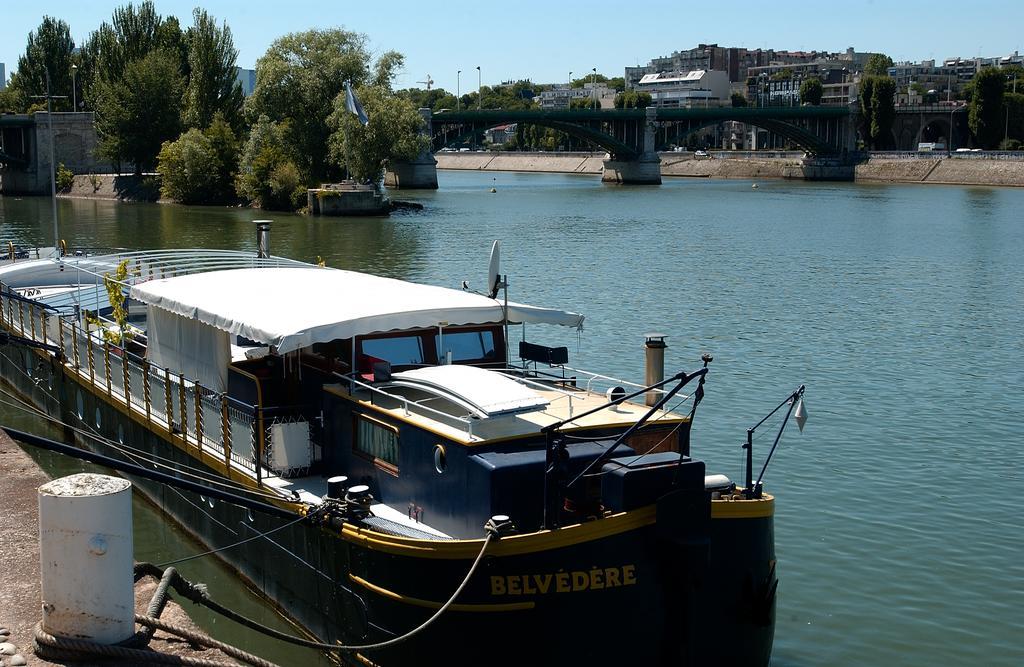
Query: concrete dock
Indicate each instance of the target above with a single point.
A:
(20, 592)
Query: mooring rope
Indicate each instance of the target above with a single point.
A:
(49, 647)
(198, 594)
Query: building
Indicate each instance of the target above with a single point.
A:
(247, 79)
(778, 84)
(731, 60)
(697, 88)
(737, 62)
(500, 134)
(3, 77)
(966, 68)
(561, 96)
(915, 80)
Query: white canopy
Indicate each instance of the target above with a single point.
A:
(294, 307)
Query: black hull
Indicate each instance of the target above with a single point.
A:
(609, 592)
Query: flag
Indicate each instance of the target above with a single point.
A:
(353, 105)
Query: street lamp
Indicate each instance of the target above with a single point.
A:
(479, 89)
(593, 86)
(458, 78)
(568, 92)
(74, 89)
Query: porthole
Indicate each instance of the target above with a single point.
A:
(99, 418)
(440, 458)
(120, 433)
(81, 405)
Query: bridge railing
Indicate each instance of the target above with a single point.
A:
(1009, 156)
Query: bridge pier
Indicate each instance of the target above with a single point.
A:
(821, 169)
(418, 174)
(642, 171)
(645, 169)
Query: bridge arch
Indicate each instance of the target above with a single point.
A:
(622, 132)
(606, 141)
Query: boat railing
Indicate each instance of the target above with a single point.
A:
(148, 265)
(601, 380)
(515, 374)
(14, 253)
(215, 424)
(590, 380)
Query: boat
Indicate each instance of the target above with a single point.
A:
(434, 493)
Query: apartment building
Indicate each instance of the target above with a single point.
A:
(697, 88)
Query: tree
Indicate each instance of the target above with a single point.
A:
(1015, 116)
(589, 78)
(393, 133)
(811, 91)
(137, 114)
(738, 99)
(188, 168)
(297, 82)
(199, 167)
(632, 99)
(985, 116)
(265, 171)
(11, 101)
(867, 94)
(212, 85)
(133, 34)
(448, 101)
(878, 64)
(883, 112)
(49, 47)
(225, 145)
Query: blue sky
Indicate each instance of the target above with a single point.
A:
(543, 41)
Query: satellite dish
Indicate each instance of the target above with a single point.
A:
(494, 270)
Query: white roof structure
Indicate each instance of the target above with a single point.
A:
(672, 77)
(485, 393)
(294, 307)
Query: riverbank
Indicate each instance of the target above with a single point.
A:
(20, 590)
(937, 170)
(119, 187)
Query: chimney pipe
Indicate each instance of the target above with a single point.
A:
(654, 352)
(263, 239)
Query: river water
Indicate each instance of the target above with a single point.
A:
(900, 307)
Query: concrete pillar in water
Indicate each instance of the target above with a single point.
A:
(85, 550)
(645, 169)
(420, 173)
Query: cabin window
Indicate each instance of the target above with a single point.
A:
(397, 350)
(466, 346)
(377, 441)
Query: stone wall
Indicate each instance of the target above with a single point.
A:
(939, 169)
(74, 146)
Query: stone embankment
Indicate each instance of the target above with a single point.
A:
(119, 187)
(20, 590)
(939, 169)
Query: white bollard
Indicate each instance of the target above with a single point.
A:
(85, 549)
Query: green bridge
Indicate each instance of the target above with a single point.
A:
(815, 129)
(632, 137)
